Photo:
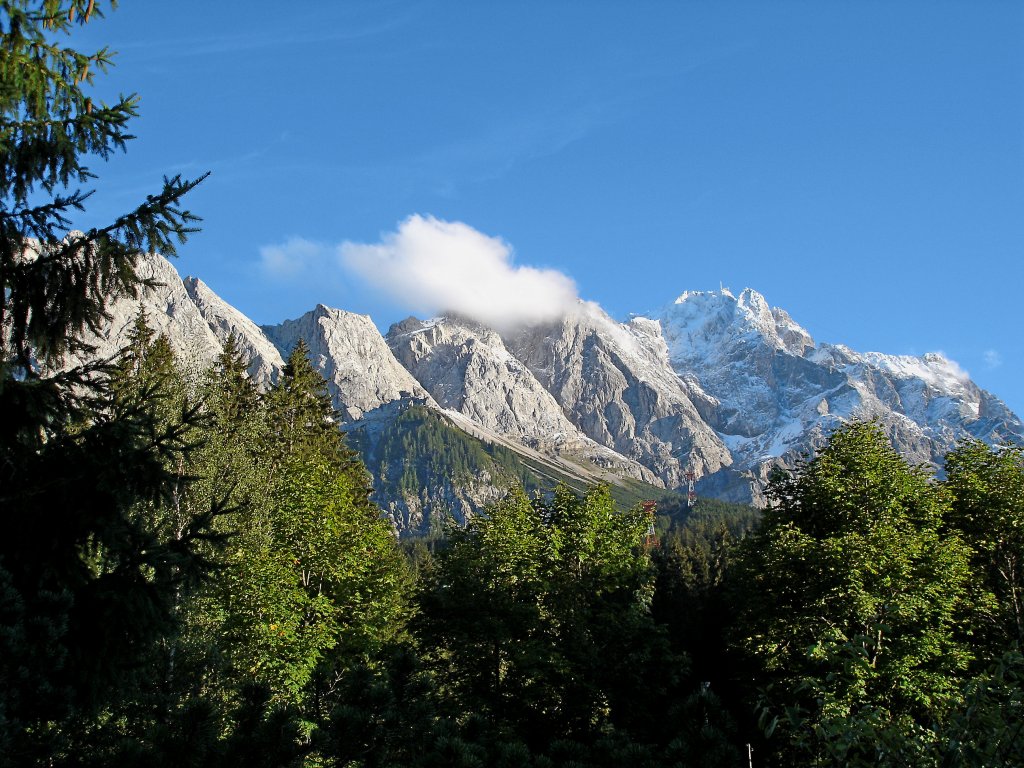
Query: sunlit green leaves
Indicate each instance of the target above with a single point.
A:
(536, 614)
(987, 485)
(855, 596)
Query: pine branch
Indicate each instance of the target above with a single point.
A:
(63, 292)
(40, 221)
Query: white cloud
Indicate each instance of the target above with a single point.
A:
(291, 257)
(961, 373)
(434, 266)
(951, 366)
(992, 358)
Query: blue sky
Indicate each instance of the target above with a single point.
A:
(860, 164)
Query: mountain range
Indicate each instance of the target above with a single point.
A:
(447, 412)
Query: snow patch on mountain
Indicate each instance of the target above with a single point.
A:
(779, 393)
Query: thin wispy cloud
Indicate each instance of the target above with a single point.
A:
(507, 144)
(311, 33)
(293, 257)
(488, 154)
(114, 199)
(961, 373)
(992, 358)
(432, 266)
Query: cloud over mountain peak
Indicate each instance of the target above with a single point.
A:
(433, 266)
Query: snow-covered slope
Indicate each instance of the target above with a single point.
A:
(779, 393)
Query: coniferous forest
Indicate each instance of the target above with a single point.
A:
(191, 571)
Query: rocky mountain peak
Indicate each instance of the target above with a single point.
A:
(409, 325)
(613, 382)
(362, 374)
(779, 393)
(697, 316)
(169, 310)
(718, 383)
(265, 362)
(467, 368)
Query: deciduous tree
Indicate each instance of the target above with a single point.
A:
(537, 617)
(852, 597)
(987, 485)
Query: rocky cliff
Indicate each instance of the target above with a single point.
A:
(779, 393)
(721, 385)
(362, 373)
(468, 369)
(614, 382)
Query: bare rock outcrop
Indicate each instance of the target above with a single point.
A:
(362, 374)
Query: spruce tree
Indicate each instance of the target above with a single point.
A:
(305, 421)
(231, 393)
(86, 584)
(304, 417)
(56, 282)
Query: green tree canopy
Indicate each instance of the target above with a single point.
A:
(852, 597)
(313, 578)
(987, 485)
(537, 617)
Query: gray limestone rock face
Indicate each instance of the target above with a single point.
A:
(265, 361)
(361, 371)
(467, 368)
(169, 310)
(614, 382)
